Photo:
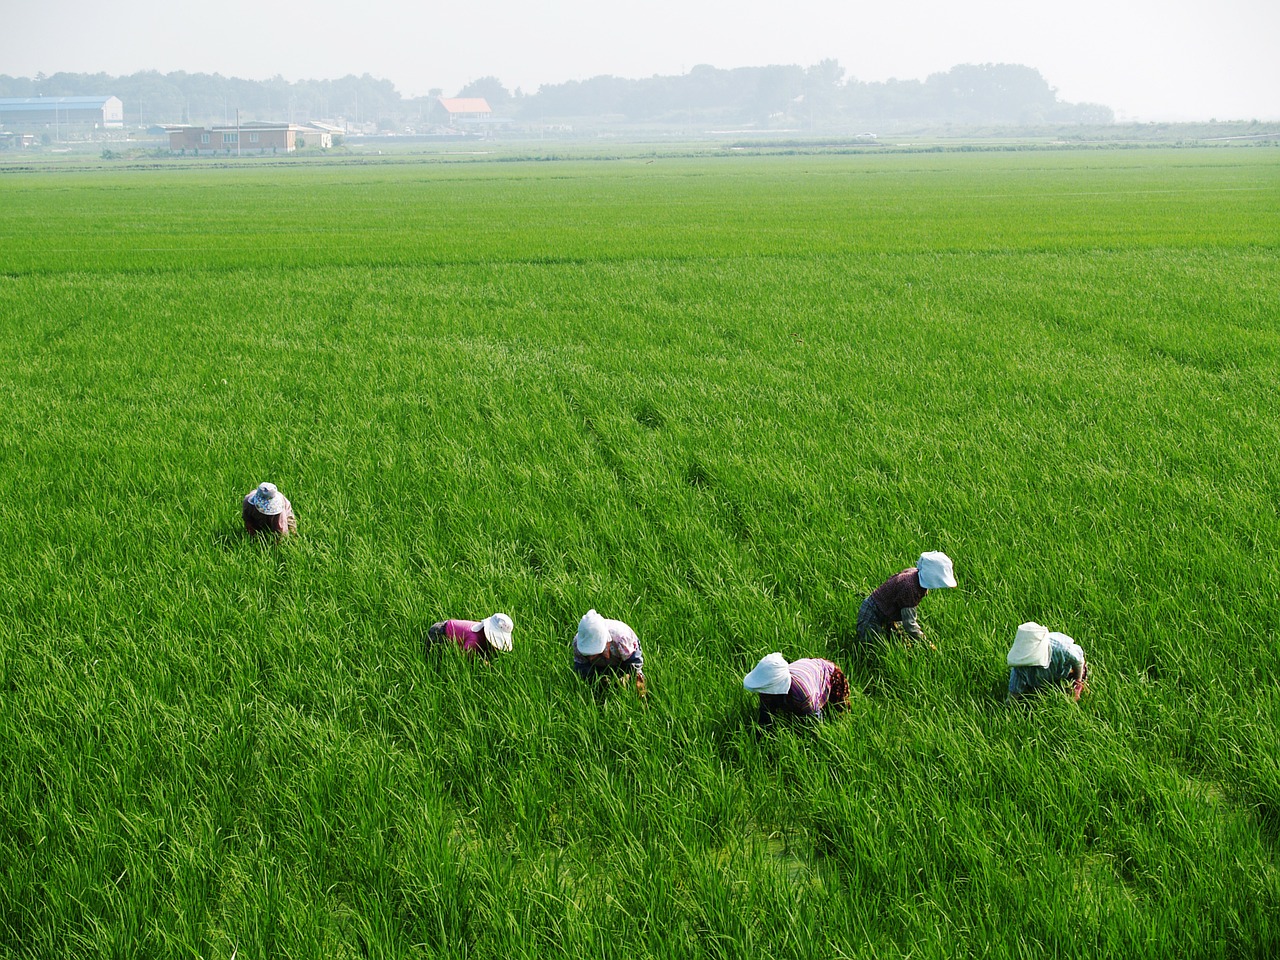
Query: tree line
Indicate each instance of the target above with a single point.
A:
(814, 97)
(151, 97)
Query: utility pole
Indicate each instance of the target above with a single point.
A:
(237, 131)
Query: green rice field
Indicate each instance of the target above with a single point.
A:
(720, 398)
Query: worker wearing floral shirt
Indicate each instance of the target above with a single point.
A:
(607, 648)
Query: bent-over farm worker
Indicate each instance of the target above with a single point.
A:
(799, 689)
(1041, 659)
(894, 601)
(267, 510)
(607, 648)
(477, 637)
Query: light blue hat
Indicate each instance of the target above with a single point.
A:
(935, 570)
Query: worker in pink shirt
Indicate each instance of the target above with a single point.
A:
(476, 637)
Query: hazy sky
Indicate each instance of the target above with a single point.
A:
(1146, 59)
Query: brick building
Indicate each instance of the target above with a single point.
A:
(255, 136)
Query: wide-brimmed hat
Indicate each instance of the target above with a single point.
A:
(1030, 646)
(771, 675)
(497, 630)
(593, 634)
(935, 570)
(266, 499)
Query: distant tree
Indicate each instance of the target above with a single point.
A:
(775, 91)
(16, 86)
(490, 88)
(1087, 113)
(704, 94)
(817, 96)
(148, 97)
(892, 99)
(597, 97)
(990, 93)
(821, 91)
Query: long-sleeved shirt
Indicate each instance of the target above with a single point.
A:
(1066, 662)
(463, 633)
(810, 690)
(255, 521)
(620, 655)
(897, 598)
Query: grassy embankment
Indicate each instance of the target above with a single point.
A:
(720, 400)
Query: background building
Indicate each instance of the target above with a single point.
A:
(254, 136)
(61, 116)
(462, 111)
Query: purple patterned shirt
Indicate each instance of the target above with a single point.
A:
(810, 690)
(900, 592)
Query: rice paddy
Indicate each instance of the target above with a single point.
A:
(720, 398)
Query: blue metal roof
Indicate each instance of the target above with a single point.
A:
(20, 104)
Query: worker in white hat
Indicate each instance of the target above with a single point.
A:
(1041, 659)
(894, 602)
(266, 510)
(479, 637)
(604, 648)
(799, 689)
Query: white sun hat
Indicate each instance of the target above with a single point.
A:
(1030, 646)
(593, 634)
(935, 570)
(771, 675)
(266, 499)
(497, 630)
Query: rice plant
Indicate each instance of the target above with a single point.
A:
(719, 398)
